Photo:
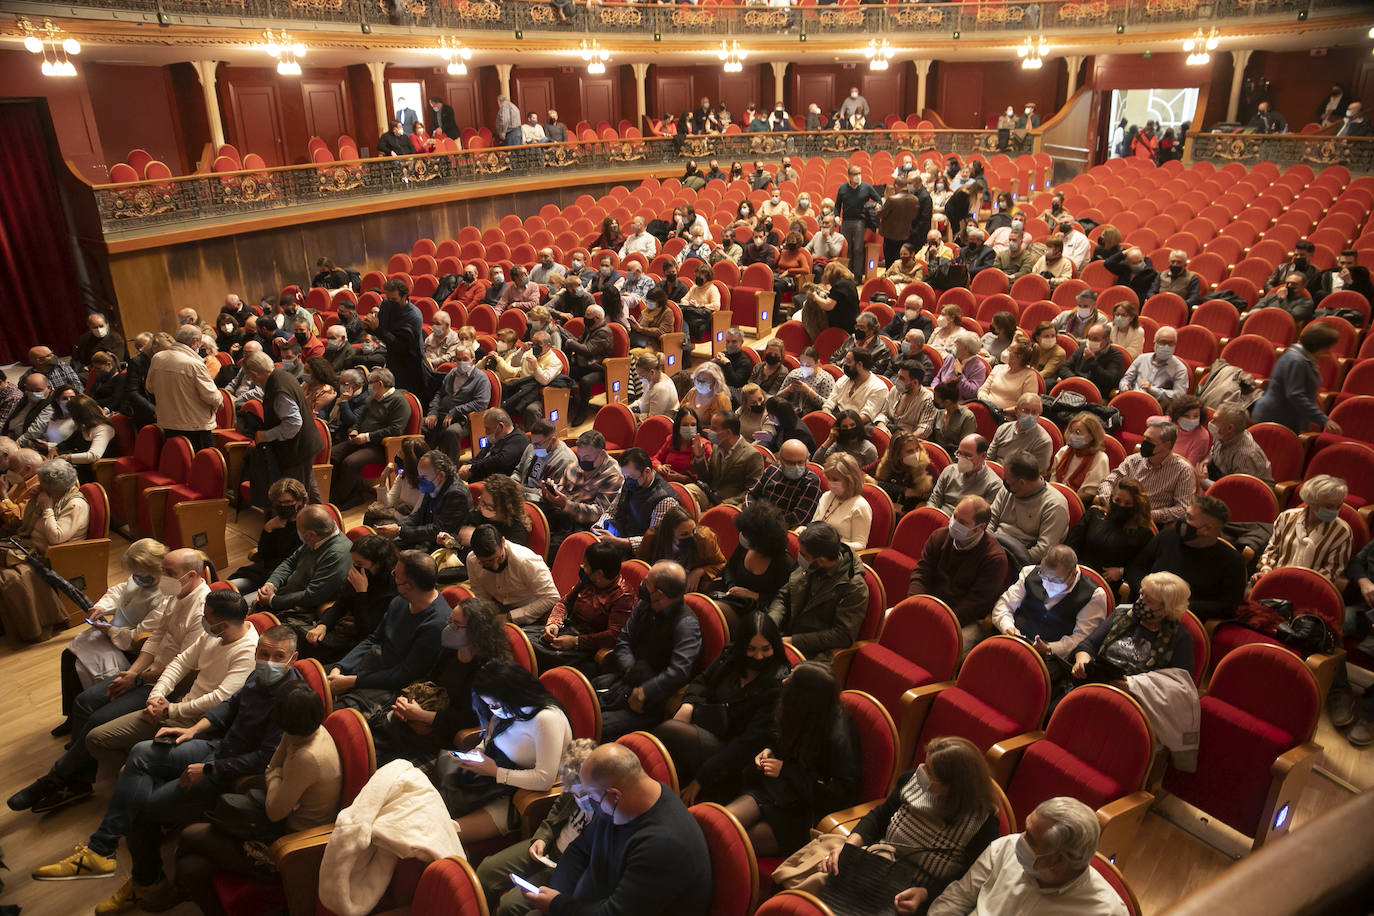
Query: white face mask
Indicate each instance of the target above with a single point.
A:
(806, 371)
(1164, 351)
(965, 465)
(169, 586)
(101, 331)
(703, 388)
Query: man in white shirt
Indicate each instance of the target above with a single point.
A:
(660, 394)
(860, 389)
(639, 240)
(546, 269)
(1052, 604)
(1046, 870)
(637, 284)
(172, 626)
(224, 655)
(532, 132)
(512, 577)
(1077, 248)
(827, 243)
(1160, 374)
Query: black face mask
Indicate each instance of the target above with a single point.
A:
(586, 465)
(1300, 262)
(1186, 531)
(851, 371)
(848, 435)
(1119, 514)
(772, 359)
(758, 664)
(302, 337)
(285, 511)
(1147, 449)
(756, 408)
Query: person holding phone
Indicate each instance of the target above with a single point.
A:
(1052, 604)
(533, 861)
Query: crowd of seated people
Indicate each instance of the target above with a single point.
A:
(774, 479)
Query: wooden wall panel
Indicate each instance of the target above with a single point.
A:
(599, 100)
(133, 109)
(739, 90)
(534, 92)
(672, 94)
(253, 121)
(69, 103)
(462, 95)
(327, 110)
(812, 84)
(143, 291)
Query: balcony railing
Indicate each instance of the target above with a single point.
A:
(1315, 150)
(143, 207)
(682, 20)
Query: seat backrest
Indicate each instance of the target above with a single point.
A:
(1011, 677)
(923, 629)
(99, 524)
(1249, 498)
(1105, 728)
(734, 868)
(617, 424)
(793, 903)
(653, 432)
(357, 754)
(877, 742)
(312, 672)
(1310, 592)
(915, 528)
(880, 531)
(208, 473)
(539, 530)
(569, 559)
(175, 460)
(653, 756)
(1272, 684)
(578, 699)
(449, 887)
(714, 631)
(721, 520)
(1113, 876)
(261, 621)
(521, 648)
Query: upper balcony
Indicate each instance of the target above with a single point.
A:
(682, 22)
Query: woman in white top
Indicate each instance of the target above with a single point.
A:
(89, 438)
(101, 651)
(1081, 463)
(947, 328)
(397, 501)
(524, 735)
(843, 506)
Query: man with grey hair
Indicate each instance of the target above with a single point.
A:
(977, 254)
(186, 396)
(589, 351)
(866, 337)
(1023, 435)
(1160, 373)
(463, 391)
(1076, 321)
(1047, 869)
(1133, 269)
(1234, 450)
(639, 241)
(1179, 280)
(1167, 478)
(350, 403)
(314, 573)
(288, 429)
(1052, 604)
(507, 129)
(337, 352)
(502, 451)
(386, 414)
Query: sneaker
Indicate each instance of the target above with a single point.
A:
(25, 798)
(1340, 706)
(62, 797)
(1361, 734)
(160, 897)
(126, 898)
(82, 863)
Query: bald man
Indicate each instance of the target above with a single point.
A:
(58, 372)
(789, 485)
(642, 853)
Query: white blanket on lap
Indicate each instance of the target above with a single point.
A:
(1170, 699)
(398, 815)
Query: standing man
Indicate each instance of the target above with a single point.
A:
(186, 396)
(855, 104)
(897, 219)
(397, 323)
(1027, 120)
(288, 423)
(507, 121)
(849, 209)
(406, 115)
(441, 118)
(1268, 122)
(99, 336)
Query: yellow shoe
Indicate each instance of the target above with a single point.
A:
(82, 863)
(122, 900)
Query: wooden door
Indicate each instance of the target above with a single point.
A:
(883, 90)
(598, 100)
(673, 95)
(534, 94)
(818, 87)
(255, 112)
(961, 98)
(326, 110)
(737, 90)
(463, 97)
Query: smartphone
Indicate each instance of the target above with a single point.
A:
(165, 739)
(523, 884)
(470, 756)
(546, 861)
(98, 622)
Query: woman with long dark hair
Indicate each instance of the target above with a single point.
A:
(679, 538)
(810, 767)
(610, 237)
(428, 715)
(524, 735)
(782, 423)
(674, 459)
(1108, 538)
(726, 714)
(760, 566)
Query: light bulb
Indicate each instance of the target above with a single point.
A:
(71, 46)
(1211, 44)
(465, 53)
(33, 45)
(298, 50)
(1188, 45)
(68, 69)
(47, 68)
(457, 69)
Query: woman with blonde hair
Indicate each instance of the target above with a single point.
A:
(104, 649)
(90, 440)
(1126, 331)
(752, 417)
(1081, 463)
(843, 506)
(541, 319)
(947, 327)
(708, 395)
(904, 472)
(1049, 355)
(1313, 535)
(55, 513)
(1108, 243)
(1144, 637)
(1013, 377)
(837, 297)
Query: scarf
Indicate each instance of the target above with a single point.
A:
(1075, 482)
(1162, 648)
(925, 841)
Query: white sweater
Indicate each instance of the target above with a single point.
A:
(537, 745)
(852, 518)
(173, 626)
(222, 668)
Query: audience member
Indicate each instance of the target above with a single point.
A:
(1024, 436)
(511, 576)
(1194, 440)
(843, 506)
(823, 604)
(1109, 537)
(1193, 549)
(1234, 450)
(187, 399)
(1011, 379)
(808, 387)
(1159, 374)
(312, 575)
(56, 513)
(1142, 637)
(385, 415)
(1029, 516)
(963, 565)
(1289, 398)
(1052, 604)
(1312, 535)
(367, 592)
(789, 485)
(1167, 479)
(1081, 462)
(730, 471)
(676, 536)
(1097, 361)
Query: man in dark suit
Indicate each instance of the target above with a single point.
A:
(406, 115)
(397, 324)
(441, 118)
(1268, 122)
(288, 422)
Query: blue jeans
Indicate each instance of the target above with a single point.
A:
(138, 789)
(91, 710)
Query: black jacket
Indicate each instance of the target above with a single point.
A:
(441, 511)
(300, 448)
(499, 457)
(1104, 369)
(400, 327)
(442, 119)
(390, 143)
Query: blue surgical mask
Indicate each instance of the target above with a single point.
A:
(541, 453)
(793, 471)
(959, 531)
(426, 485)
(269, 672)
(1025, 421)
(1327, 516)
(703, 388)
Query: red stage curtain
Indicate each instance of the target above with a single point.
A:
(39, 298)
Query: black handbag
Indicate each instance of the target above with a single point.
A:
(243, 816)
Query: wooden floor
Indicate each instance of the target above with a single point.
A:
(1167, 862)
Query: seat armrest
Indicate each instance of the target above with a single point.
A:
(843, 658)
(1121, 820)
(843, 822)
(1005, 755)
(298, 857)
(914, 707)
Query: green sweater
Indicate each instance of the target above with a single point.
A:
(387, 417)
(311, 576)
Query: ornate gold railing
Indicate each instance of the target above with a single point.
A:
(1315, 150)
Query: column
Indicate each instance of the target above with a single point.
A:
(641, 72)
(1074, 61)
(205, 72)
(503, 75)
(922, 72)
(779, 71)
(377, 68)
(1241, 57)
